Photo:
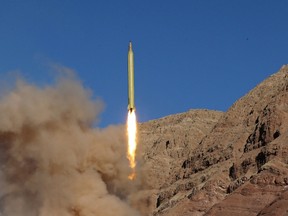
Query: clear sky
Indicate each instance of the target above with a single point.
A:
(188, 54)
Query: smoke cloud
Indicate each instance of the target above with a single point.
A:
(53, 162)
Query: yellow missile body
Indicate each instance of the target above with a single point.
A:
(131, 102)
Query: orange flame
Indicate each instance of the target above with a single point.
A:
(132, 143)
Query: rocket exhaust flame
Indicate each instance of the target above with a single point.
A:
(132, 142)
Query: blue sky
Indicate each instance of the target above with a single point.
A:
(188, 54)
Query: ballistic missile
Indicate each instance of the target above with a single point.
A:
(131, 102)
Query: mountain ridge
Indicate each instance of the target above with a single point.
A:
(207, 163)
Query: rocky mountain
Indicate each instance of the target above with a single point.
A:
(165, 143)
(211, 163)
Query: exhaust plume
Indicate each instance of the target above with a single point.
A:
(52, 161)
(132, 142)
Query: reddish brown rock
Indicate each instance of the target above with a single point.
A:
(163, 145)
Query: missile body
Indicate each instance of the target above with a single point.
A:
(131, 102)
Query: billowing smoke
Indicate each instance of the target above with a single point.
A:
(53, 162)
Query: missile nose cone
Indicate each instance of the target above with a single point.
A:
(130, 45)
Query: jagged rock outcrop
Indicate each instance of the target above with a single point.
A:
(164, 143)
(226, 168)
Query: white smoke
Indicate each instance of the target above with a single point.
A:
(53, 163)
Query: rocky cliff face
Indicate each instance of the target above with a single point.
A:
(164, 144)
(209, 163)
